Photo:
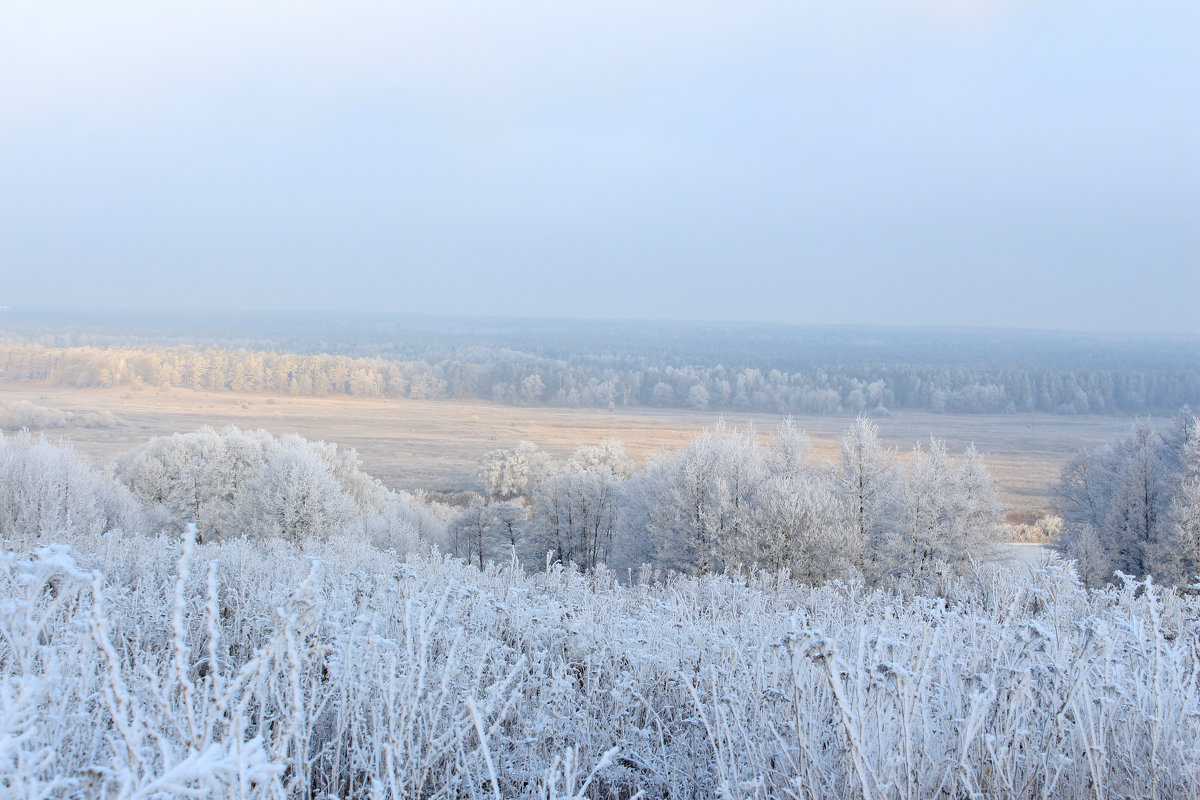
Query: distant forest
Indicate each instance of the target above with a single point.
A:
(744, 367)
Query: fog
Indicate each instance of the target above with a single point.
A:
(1010, 164)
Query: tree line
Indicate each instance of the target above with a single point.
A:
(727, 501)
(524, 380)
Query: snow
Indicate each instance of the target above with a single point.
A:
(1028, 553)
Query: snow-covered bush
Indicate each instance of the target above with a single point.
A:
(236, 483)
(48, 491)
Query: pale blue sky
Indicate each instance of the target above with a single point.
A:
(928, 162)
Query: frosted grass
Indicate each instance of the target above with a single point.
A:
(140, 668)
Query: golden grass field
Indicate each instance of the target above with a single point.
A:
(435, 445)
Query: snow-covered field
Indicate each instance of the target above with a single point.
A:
(1027, 553)
(144, 667)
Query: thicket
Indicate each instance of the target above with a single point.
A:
(1133, 505)
(729, 500)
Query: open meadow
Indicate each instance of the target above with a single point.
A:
(435, 445)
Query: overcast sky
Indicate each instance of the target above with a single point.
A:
(954, 162)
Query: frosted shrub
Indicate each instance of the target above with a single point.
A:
(248, 483)
(47, 491)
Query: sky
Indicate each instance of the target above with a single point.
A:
(927, 162)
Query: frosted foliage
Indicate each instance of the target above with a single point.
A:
(865, 478)
(469, 534)
(726, 501)
(608, 456)
(147, 668)
(532, 389)
(199, 477)
(791, 449)
(947, 511)
(24, 414)
(295, 496)
(1184, 542)
(514, 472)
(1177, 556)
(800, 525)
(46, 490)
(236, 482)
(693, 502)
(837, 376)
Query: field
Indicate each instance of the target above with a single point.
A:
(435, 445)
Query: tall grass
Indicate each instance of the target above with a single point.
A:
(135, 667)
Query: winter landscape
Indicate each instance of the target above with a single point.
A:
(599, 401)
(234, 613)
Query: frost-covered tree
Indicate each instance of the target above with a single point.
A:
(790, 449)
(923, 520)
(469, 533)
(663, 394)
(295, 497)
(532, 389)
(978, 508)
(725, 500)
(198, 477)
(511, 531)
(789, 515)
(799, 524)
(694, 502)
(947, 512)
(865, 477)
(1130, 506)
(514, 472)
(401, 523)
(1178, 559)
(1093, 560)
(213, 479)
(575, 513)
(1137, 502)
(1175, 557)
(608, 456)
